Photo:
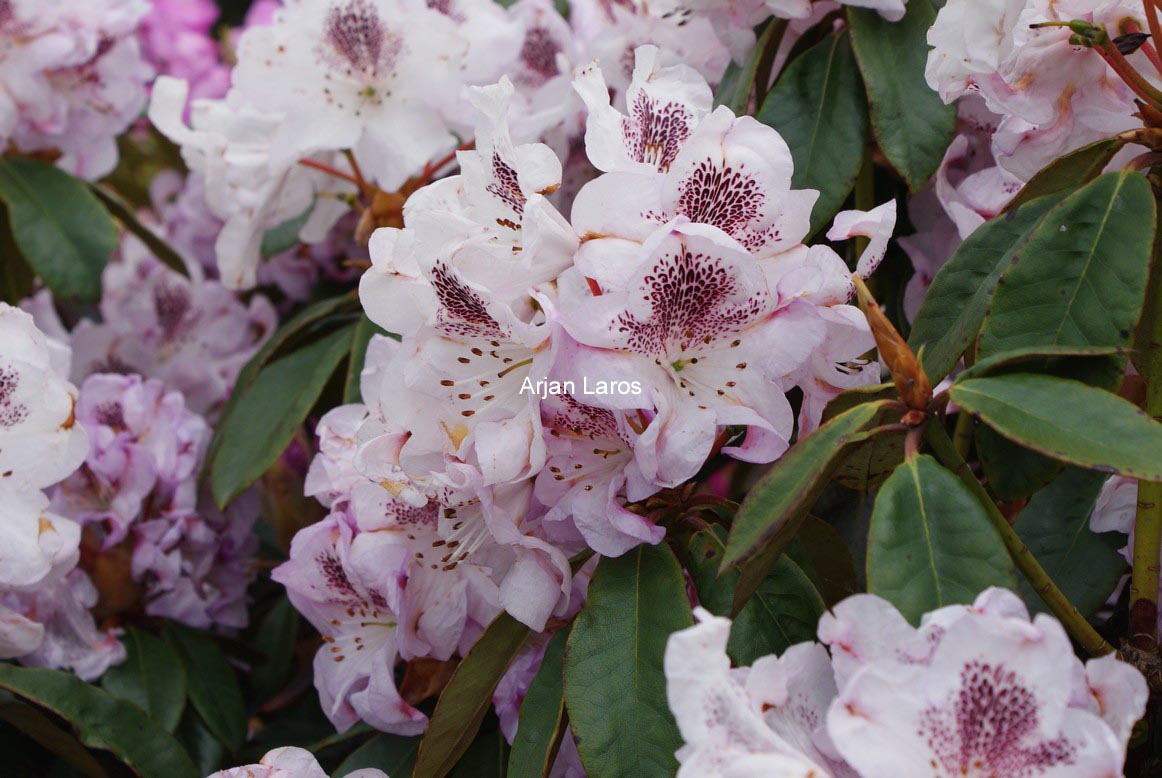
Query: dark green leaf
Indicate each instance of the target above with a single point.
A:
(101, 721)
(468, 696)
(1055, 526)
(152, 677)
(206, 750)
(258, 429)
(818, 106)
(820, 551)
(615, 688)
(1067, 420)
(784, 610)
(393, 754)
(911, 123)
(955, 305)
(213, 687)
(275, 638)
(485, 758)
(61, 744)
(59, 225)
(16, 277)
(738, 82)
(125, 214)
(1005, 360)
(773, 509)
(1067, 173)
(365, 330)
(1082, 276)
(931, 543)
(285, 236)
(542, 715)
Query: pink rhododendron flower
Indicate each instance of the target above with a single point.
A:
(177, 40)
(291, 762)
(72, 78)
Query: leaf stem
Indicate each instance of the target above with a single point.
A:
(1148, 515)
(1076, 624)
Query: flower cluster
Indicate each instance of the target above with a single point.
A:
(975, 690)
(552, 374)
(72, 78)
(1052, 93)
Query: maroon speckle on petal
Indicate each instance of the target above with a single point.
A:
(110, 414)
(989, 728)
(462, 311)
(720, 195)
(654, 132)
(689, 295)
(172, 303)
(11, 411)
(335, 575)
(358, 40)
(539, 53)
(506, 186)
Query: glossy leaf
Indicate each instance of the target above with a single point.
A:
(912, 125)
(260, 426)
(1069, 171)
(44, 731)
(101, 721)
(195, 736)
(393, 754)
(1055, 526)
(468, 696)
(955, 305)
(542, 715)
(776, 505)
(931, 543)
(1068, 421)
(275, 638)
(784, 609)
(213, 688)
(62, 230)
(487, 757)
(820, 550)
(152, 677)
(1082, 277)
(124, 213)
(615, 688)
(818, 106)
(738, 82)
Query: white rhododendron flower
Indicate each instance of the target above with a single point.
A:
(290, 762)
(976, 691)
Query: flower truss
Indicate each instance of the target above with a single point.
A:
(682, 388)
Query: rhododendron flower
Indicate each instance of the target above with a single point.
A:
(976, 691)
(1054, 96)
(229, 143)
(366, 75)
(291, 762)
(176, 39)
(40, 441)
(194, 335)
(72, 78)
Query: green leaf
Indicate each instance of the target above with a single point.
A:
(911, 123)
(152, 677)
(260, 426)
(1082, 276)
(774, 508)
(297, 330)
(1001, 362)
(393, 754)
(101, 721)
(45, 732)
(955, 305)
(738, 82)
(1066, 173)
(125, 214)
(819, 547)
(818, 106)
(16, 277)
(275, 638)
(1067, 420)
(285, 236)
(615, 687)
(542, 715)
(206, 750)
(213, 688)
(485, 758)
(365, 330)
(931, 543)
(784, 610)
(468, 696)
(59, 225)
(1085, 565)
